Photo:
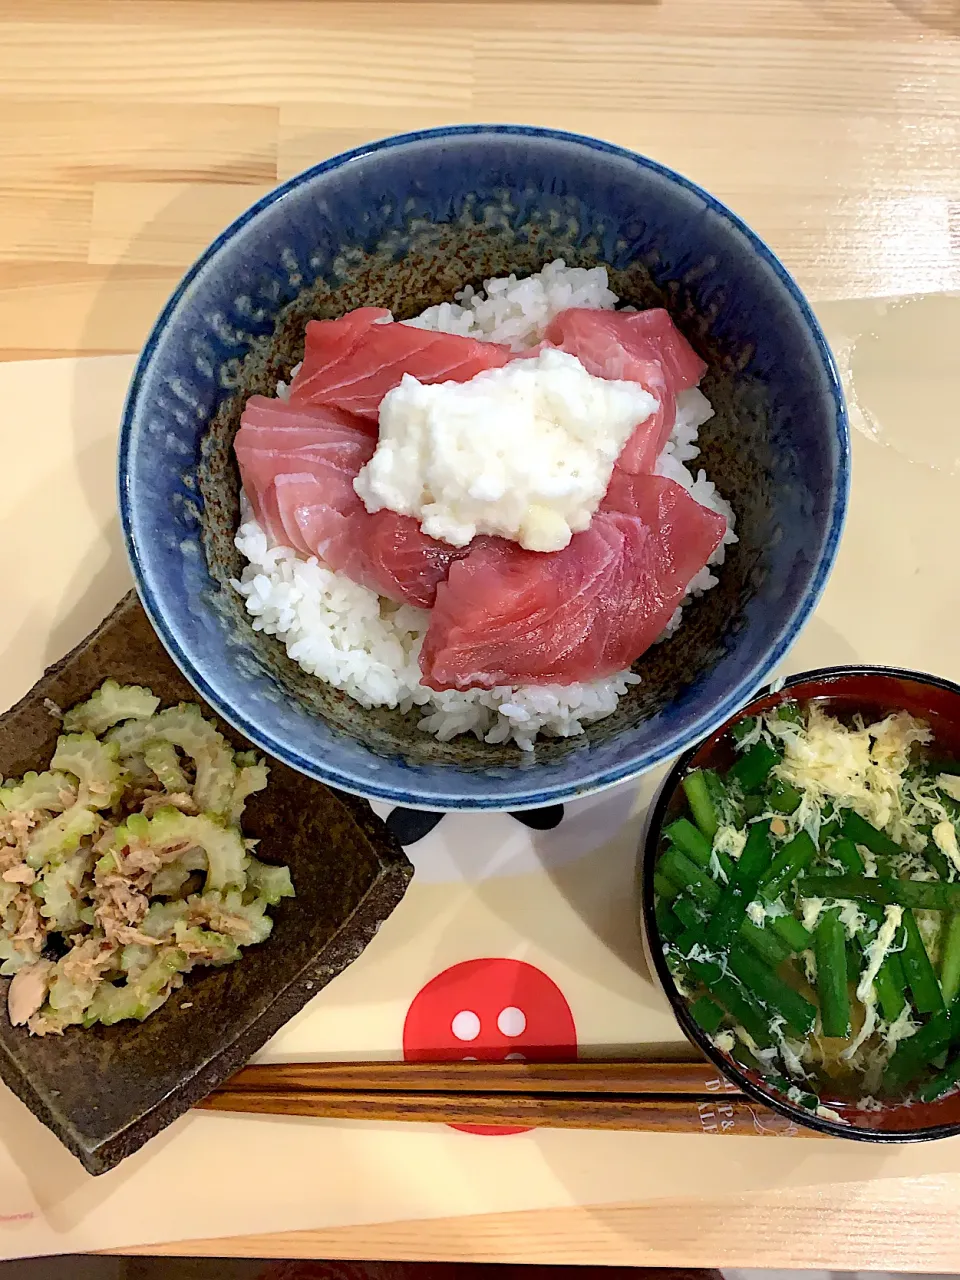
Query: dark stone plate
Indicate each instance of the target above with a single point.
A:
(106, 1091)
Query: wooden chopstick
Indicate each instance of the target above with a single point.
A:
(620, 1076)
(664, 1097)
(731, 1115)
(653, 1097)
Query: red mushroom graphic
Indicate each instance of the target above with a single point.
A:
(489, 1010)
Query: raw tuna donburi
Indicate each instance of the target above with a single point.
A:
(485, 513)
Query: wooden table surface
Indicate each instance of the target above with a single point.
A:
(131, 131)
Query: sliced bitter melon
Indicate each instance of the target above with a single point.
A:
(38, 791)
(96, 765)
(110, 704)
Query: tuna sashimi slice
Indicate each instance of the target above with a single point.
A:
(506, 616)
(662, 504)
(635, 346)
(275, 439)
(385, 552)
(269, 411)
(405, 564)
(299, 480)
(291, 496)
(352, 364)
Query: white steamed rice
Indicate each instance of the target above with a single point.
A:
(369, 647)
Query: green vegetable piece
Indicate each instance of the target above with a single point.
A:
(250, 779)
(755, 859)
(226, 855)
(664, 887)
(889, 983)
(791, 712)
(765, 943)
(70, 996)
(759, 978)
(135, 957)
(689, 941)
(269, 882)
(136, 827)
(688, 911)
(726, 920)
(161, 757)
(206, 945)
(743, 729)
(707, 1014)
(922, 895)
(753, 806)
(246, 922)
(862, 832)
(161, 918)
(912, 1056)
(701, 803)
(682, 871)
(690, 841)
(830, 828)
(794, 935)
(668, 925)
(782, 797)
(186, 728)
(108, 705)
(740, 1004)
(950, 962)
(943, 1083)
(921, 979)
(847, 854)
(853, 962)
(728, 807)
(763, 940)
(797, 854)
(60, 837)
(829, 945)
(936, 859)
(740, 1053)
(38, 791)
(95, 764)
(752, 864)
(173, 876)
(139, 998)
(752, 770)
(14, 955)
(59, 891)
(890, 986)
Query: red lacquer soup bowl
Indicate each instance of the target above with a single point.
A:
(873, 692)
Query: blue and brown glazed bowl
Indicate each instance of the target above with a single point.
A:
(404, 223)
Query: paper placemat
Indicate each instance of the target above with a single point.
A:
(549, 913)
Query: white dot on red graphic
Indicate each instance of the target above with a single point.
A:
(512, 1022)
(504, 1009)
(465, 1025)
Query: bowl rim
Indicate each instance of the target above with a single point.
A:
(728, 1068)
(453, 798)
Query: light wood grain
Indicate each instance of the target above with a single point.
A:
(899, 1225)
(130, 133)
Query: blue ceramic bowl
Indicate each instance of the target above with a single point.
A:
(403, 223)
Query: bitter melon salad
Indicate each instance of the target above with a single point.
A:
(123, 866)
(808, 901)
